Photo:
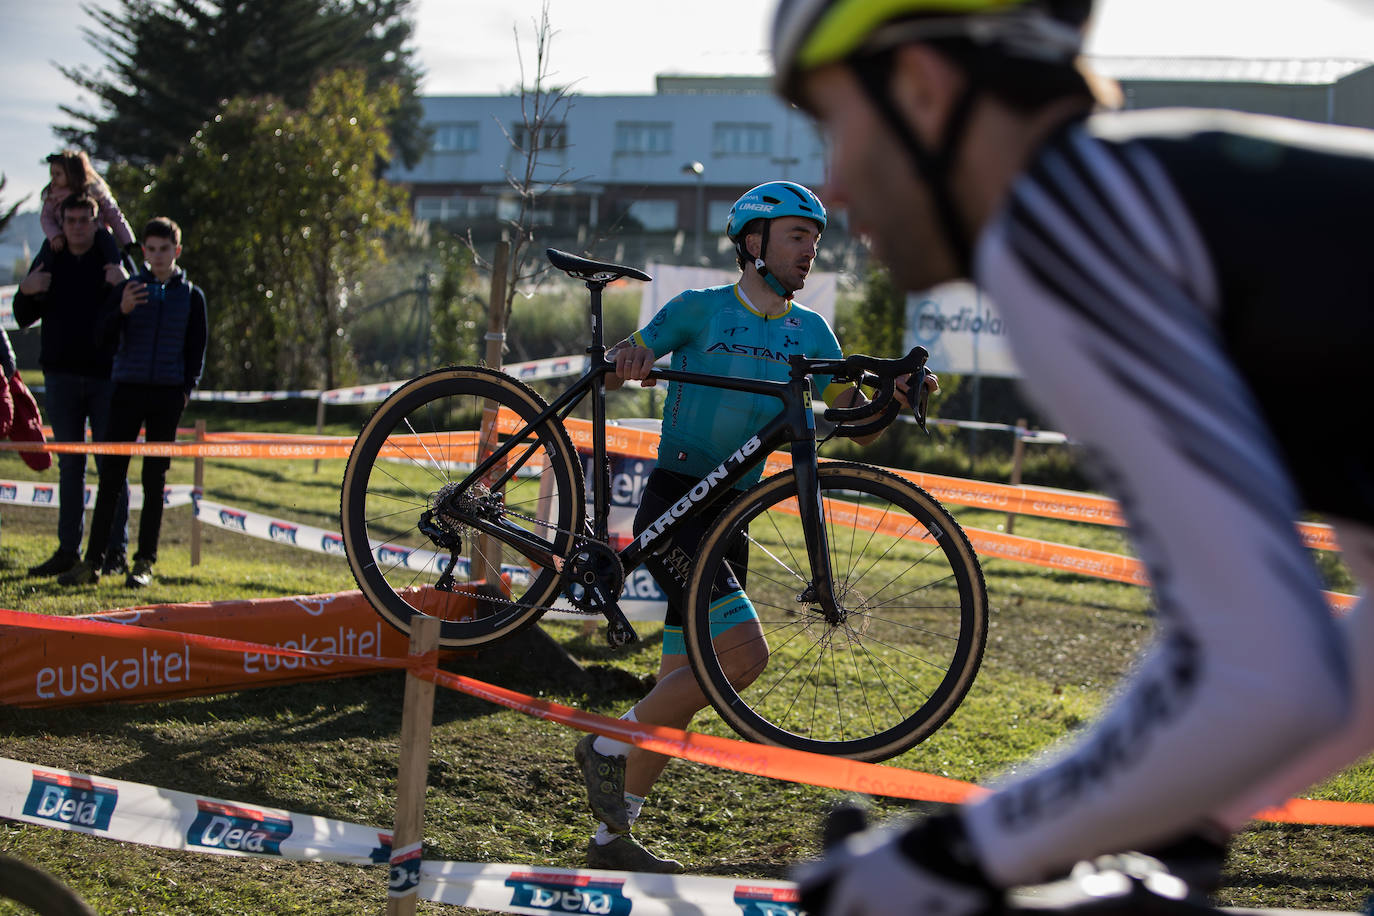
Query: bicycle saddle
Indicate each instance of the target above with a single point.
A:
(594, 271)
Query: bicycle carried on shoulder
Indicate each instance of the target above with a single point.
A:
(464, 499)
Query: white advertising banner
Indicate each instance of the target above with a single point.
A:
(136, 813)
(30, 493)
(962, 329)
(640, 599)
(671, 279)
(7, 294)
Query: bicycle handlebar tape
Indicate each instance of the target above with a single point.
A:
(881, 422)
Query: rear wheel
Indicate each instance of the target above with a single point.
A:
(909, 638)
(423, 538)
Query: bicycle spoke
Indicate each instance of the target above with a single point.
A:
(411, 501)
(892, 659)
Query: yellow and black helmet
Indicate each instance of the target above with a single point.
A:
(812, 33)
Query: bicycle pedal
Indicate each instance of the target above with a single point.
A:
(619, 632)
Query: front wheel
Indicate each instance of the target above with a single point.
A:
(422, 536)
(886, 671)
(38, 890)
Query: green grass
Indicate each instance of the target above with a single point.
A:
(502, 786)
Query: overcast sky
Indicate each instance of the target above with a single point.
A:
(617, 46)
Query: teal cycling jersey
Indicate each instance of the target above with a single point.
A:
(716, 331)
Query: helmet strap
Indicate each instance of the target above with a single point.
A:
(773, 283)
(932, 166)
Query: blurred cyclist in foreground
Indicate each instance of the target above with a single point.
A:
(1148, 265)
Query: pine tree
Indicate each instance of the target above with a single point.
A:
(170, 65)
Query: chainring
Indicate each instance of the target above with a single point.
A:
(593, 577)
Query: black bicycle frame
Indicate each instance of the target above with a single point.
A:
(794, 423)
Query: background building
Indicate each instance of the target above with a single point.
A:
(635, 177)
(616, 166)
(655, 174)
(1328, 91)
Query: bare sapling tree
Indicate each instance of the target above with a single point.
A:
(538, 140)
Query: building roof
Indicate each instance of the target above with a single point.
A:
(1278, 71)
(712, 84)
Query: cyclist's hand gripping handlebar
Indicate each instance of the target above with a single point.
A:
(882, 375)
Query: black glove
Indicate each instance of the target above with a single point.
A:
(925, 867)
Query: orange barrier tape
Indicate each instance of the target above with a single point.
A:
(1080, 560)
(731, 754)
(760, 760)
(1314, 811)
(1045, 502)
(1087, 562)
(252, 449)
(724, 753)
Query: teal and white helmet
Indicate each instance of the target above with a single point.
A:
(771, 200)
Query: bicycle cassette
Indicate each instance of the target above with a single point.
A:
(593, 577)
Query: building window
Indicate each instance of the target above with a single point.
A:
(444, 209)
(729, 138)
(655, 215)
(548, 136)
(643, 137)
(455, 137)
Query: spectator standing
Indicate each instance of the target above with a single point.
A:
(159, 321)
(67, 290)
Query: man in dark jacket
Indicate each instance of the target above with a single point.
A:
(67, 290)
(159, 321)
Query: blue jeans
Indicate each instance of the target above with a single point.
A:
(70, 401)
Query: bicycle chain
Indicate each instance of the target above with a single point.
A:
(579, 540)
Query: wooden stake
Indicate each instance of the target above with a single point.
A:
(199, 480)
(319, 427)
(417, 719)
(486, 566)
(1018, 455)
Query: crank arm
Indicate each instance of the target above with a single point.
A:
(618, 630)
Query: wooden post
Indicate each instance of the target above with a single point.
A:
(489, 552)
(1018, 455)
(496, 305)
(199, 481)
(319, 427)
(417, 719)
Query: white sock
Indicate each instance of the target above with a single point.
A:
(633, 805)
(610, 747)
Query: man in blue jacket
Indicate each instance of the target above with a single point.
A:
(159, 318)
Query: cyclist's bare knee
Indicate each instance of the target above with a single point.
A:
(743, 653)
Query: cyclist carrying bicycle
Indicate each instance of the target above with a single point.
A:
(746, 329)
(1148, 264)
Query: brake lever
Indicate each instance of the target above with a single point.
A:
(921, 402)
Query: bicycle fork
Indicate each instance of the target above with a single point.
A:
(821, 589)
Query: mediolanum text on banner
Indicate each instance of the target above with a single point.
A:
(962, 329)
